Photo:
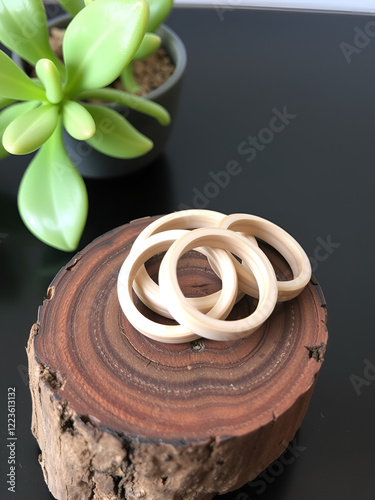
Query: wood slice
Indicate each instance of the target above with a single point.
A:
(120, 416)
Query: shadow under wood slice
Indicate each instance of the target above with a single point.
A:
(120, 416)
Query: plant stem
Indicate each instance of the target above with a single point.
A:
(131, 101)
(128, 80)
(60, 66)
(72, 6)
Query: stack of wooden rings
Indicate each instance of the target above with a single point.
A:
(222, 239)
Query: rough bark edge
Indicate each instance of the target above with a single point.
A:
(82, 460)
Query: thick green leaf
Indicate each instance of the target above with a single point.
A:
(78, 121)
(5, 102)
(52, 198)
(128, 81)
(159, 10)
(135, 102)
(115, 136)
(8, 115)
(23, 29)
(49, 75)
(15, 84)
(95, 56)
(72, 6)
(149, 45)
(30, 130)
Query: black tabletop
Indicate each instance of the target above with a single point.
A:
(284, 102)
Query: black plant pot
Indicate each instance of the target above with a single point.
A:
(92, 163)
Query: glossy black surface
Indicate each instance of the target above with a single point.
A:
(315, 178)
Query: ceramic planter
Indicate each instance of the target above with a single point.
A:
(93, 164)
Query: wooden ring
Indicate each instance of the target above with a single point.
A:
(183, 219)
(205, 325)
(283, 242)
(170, 333)
(149, 292)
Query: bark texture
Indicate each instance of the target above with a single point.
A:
(120, 416)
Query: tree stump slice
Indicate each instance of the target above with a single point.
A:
(120, 416)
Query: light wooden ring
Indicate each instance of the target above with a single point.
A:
(283, 242)
(146, 289)
(149, 292)
(206, 325)
(170, 333)
(183, 219)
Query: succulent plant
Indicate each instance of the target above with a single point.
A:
(159, 10)
(99, 43)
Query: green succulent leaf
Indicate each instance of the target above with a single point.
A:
(15, 84)
(159, 10)
(52, 198)
(30, 130)
(149, 45)
(78, 121)
(49, 75)
(115, 136)
(72, 6)
(8, 115)
(5, 102)
(128, 81)
(135, 102)
(95, 57)
(23, 29)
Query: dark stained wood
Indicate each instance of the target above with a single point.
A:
(118, 415)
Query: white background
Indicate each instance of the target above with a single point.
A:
(355, 6)
(348, 6)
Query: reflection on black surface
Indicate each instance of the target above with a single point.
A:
(10, 225)
(113, 202)
(28, 265)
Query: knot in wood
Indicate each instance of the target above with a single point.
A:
(197, 346)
